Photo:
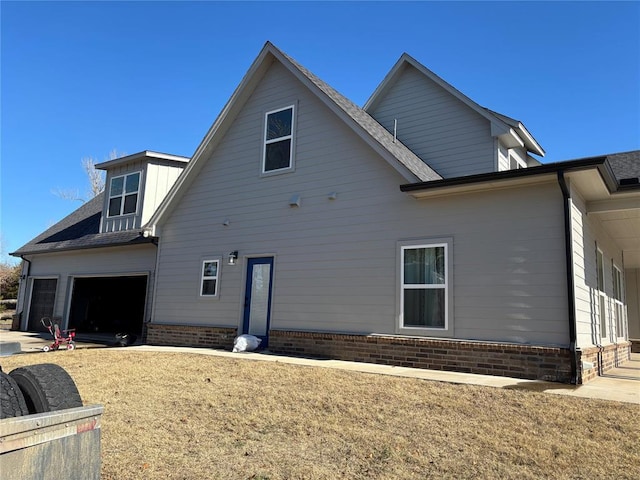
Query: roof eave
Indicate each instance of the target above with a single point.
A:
(435, 187)
(141, 155)
(129, 243)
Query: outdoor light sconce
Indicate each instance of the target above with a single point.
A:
(233, 257)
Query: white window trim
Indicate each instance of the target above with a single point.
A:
(447, 330)
(124, 194)
(602, 296)
(266, 142)
(218, 263)
(619, 309)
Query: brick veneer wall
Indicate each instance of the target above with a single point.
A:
(190, 336)
(520, 361)
(510, 360)
(604, 358)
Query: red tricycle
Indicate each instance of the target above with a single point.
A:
(59, 336)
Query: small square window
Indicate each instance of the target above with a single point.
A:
(123, 195)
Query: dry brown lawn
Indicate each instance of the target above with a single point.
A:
(184, 416)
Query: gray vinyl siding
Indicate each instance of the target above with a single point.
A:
(92, 262)
(445, 133)
(588, 235)
(336, 260)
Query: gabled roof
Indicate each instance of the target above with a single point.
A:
(354, 117)
(80, 230)
(500, 124)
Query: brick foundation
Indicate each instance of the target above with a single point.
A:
(503, 359)
(520, 361)
(190, 336)
(604, 359)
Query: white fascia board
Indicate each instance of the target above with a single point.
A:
(137, 156)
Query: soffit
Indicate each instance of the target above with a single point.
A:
(618, 213)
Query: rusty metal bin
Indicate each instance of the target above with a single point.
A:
(64, 444)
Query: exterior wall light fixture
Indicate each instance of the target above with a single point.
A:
(233, 257)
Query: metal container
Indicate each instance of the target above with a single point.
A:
(64, 444)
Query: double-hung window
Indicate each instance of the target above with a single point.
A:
(209, 281)
(278, 140)
(424, 296)
(618, 301)
(602, 297)
(123, 194)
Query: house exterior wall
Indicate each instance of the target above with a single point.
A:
(444, 132)
(336, 260)
(588, 237)
(91, 262)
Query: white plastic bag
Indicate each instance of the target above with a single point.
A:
(246, 343)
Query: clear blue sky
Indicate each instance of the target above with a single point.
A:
(81, 79)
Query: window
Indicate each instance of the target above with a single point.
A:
(278, 140)
(209, 283)
(424, 272)
(602, 298)
(618, 301)
(123, 194)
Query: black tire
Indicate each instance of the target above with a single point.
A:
(46, 388)
(12, 402)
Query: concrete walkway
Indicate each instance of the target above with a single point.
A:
(620, 384)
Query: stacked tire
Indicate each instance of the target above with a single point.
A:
(37, 389)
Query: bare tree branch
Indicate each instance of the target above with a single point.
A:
(95, 177)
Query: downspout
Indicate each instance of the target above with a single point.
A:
(571, 302)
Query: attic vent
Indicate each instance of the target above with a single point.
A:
(630, 181)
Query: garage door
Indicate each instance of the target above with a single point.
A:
(108, 304)
(43, 296)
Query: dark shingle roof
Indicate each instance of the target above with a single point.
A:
(80, 230)
(625, 165)
(405, 156)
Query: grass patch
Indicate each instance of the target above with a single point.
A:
(189, 416)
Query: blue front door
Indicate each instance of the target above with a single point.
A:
(257, 298)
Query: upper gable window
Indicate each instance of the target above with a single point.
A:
(123, 194)
(278, 140)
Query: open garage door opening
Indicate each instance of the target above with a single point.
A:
(108, 304)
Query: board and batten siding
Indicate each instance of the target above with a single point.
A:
(445, 133)
(159, 179)
(156, 179)
(336, 260)
(124, 222)
(103, 262)
(588, 236)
